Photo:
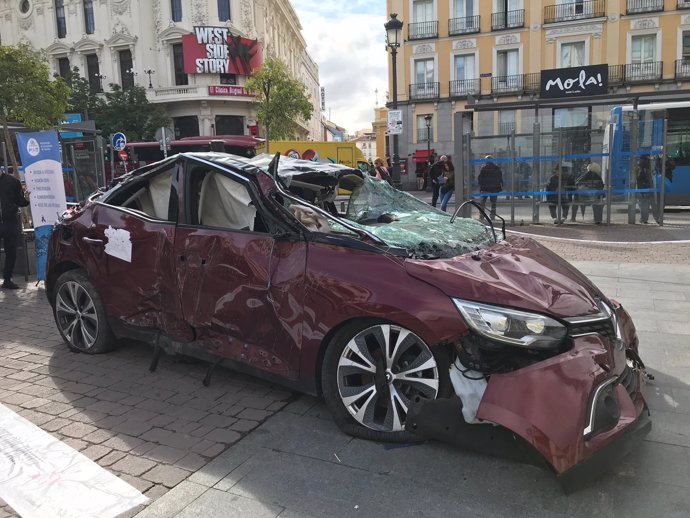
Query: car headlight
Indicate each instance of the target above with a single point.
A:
(510, 326)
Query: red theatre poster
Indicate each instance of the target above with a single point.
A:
(214, 50)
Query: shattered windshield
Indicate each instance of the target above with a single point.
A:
(396, 217)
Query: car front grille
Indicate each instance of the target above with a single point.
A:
(602, 327)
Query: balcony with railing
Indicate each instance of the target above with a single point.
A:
(467, 25)
(506, 128)
(516, 85)
(424, 91)
(644, 72)
(507, 20)
(423, 136)
(616, 75)
(683, 4)
(574, 11)
(683, 68)
(422, 30)
(645, 6)
(464, 87)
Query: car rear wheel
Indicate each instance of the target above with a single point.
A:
(80, 315)
(371, 374)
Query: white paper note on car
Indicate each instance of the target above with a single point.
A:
(119, 244)
(41, 477)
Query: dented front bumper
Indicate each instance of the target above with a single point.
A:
(578, 412)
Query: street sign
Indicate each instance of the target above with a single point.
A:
(165, 136)
(119, 141)
(123, 155)
(395, 123)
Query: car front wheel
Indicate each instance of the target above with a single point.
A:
(372, 372)
(80, 315)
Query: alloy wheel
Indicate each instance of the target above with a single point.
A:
(76, 315)
(381, 371)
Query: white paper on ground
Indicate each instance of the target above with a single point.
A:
(41, 477)
(470, 391)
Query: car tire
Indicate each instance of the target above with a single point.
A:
(80, 315)
(359, 380)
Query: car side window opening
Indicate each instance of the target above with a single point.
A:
(216, 200)
(150, 195)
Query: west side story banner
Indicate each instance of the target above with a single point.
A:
(40, 155)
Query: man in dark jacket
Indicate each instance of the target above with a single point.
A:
(490, 181)
(12, 196)
(435, 173)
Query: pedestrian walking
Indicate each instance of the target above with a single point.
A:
(558, 190)
(436, 176)
(645, 182)
(589, 188)
(381, 171)
(490, 182)
(448, 187)
(12, 196)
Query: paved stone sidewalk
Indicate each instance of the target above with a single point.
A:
(152, 430)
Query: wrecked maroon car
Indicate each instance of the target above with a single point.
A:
(410, 323)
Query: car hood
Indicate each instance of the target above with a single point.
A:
(518, 273)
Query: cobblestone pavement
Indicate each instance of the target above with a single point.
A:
(152, 430)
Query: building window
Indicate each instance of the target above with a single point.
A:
(506, 122)
(424, 134)
(573, 54)
(126, 71)
(228, 79)
(464, 67)
(507, 62)
(423, 71)
(571, 117)
(178, 64)
(89, 21)
(224, 10)
(423, 11)
(94, 72)
(60, 18)
(643, 48)
(176, 10)
(63, 67)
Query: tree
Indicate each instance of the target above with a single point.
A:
(83, 100)
(130, 112)
(281, 100)
(27, 93)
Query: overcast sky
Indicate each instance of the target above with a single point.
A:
(346, 38)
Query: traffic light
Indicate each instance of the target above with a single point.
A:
(106, 153)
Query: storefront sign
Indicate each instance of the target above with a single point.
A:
(575, 81)
(229, 90)
(214, 50)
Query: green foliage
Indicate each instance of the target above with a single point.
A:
(83, 100)
(27, 93)
(281, 101)
(130, 112)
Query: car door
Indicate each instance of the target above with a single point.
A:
(128, 248)
(241, 289)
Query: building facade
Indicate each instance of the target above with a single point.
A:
(366, 142)
(485, 63)
(184, 52)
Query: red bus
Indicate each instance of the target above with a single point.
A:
(142, 153)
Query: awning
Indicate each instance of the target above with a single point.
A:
(422, 155)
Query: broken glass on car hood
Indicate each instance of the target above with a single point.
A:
(397, 218)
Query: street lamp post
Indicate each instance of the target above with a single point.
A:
(148, 71)
(427, 120)
(393, 39)
(100, 78)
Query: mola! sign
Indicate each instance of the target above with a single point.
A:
(575, 81)
(214, 50)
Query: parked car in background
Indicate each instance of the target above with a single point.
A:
(410, 323)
